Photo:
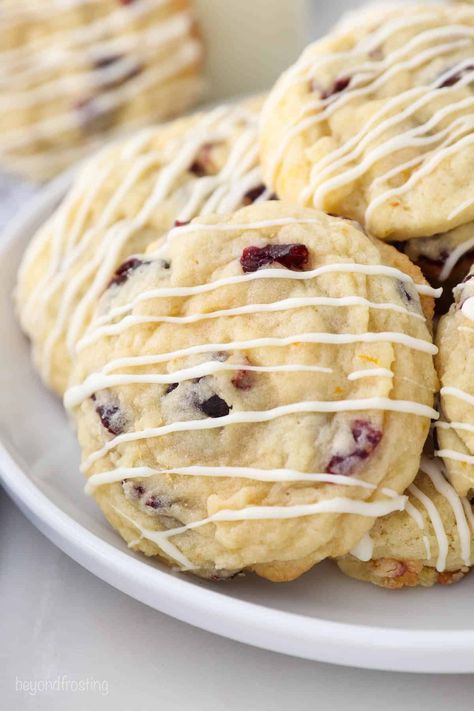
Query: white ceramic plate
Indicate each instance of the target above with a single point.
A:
(323, 616)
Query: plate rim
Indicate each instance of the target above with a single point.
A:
(362, 646)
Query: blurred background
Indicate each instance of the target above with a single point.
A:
(250, 42)
(246, 46)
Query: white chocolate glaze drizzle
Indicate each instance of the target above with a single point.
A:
(460, 506)
(364, 549)
(336, 505)
(123, 317)
(455, 256)
(467, 309)
(395, 127)
(339, 268)
(243, 417)
(224, 191)
(273, 475)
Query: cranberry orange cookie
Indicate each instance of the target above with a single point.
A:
(431, 541)
(74, 72)
(254, 392)
(375, 122)
(127, 196)
(455, 365)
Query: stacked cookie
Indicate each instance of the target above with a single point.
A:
(250, 365)
(76, 72)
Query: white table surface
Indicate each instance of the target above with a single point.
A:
(60, 624)
(59, 621)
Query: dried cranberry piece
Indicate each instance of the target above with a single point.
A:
(156, 502)
(106, 61)
(202, 164)
(214, 406)
(243, 380)
(124, 270)
(291, 256)
(179, 223)
(406, 296)
(366, 438)
(339, 85)
(366, 435)
(136, 490)
(455, 77)
(253, 194)
(110, 415)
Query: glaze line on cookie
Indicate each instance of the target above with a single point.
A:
(339, 268)
(103, 380)
(377, 403)
(336, 505)
(457, 393)
(460, 506)
(443, 425)
(467, 308)
(357, 143)
(440, 134)
(417, 344)
(455, 257)
(73, 236)
(456, 427)
(433, 470)
(286, 304)
(370, 373)
(364, 549)
(455, 456)
(100, 381)
(273, 475)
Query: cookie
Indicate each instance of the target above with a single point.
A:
(374, 122)
(455, 430)
(254, 392)
(444, 259)
(431, 541)
(74, 73)
(127, 196)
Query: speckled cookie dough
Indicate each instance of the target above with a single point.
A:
(455, 365)
(375, 121)
(431, 541)
(254, 392)
(74, 73)
(126, 197)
